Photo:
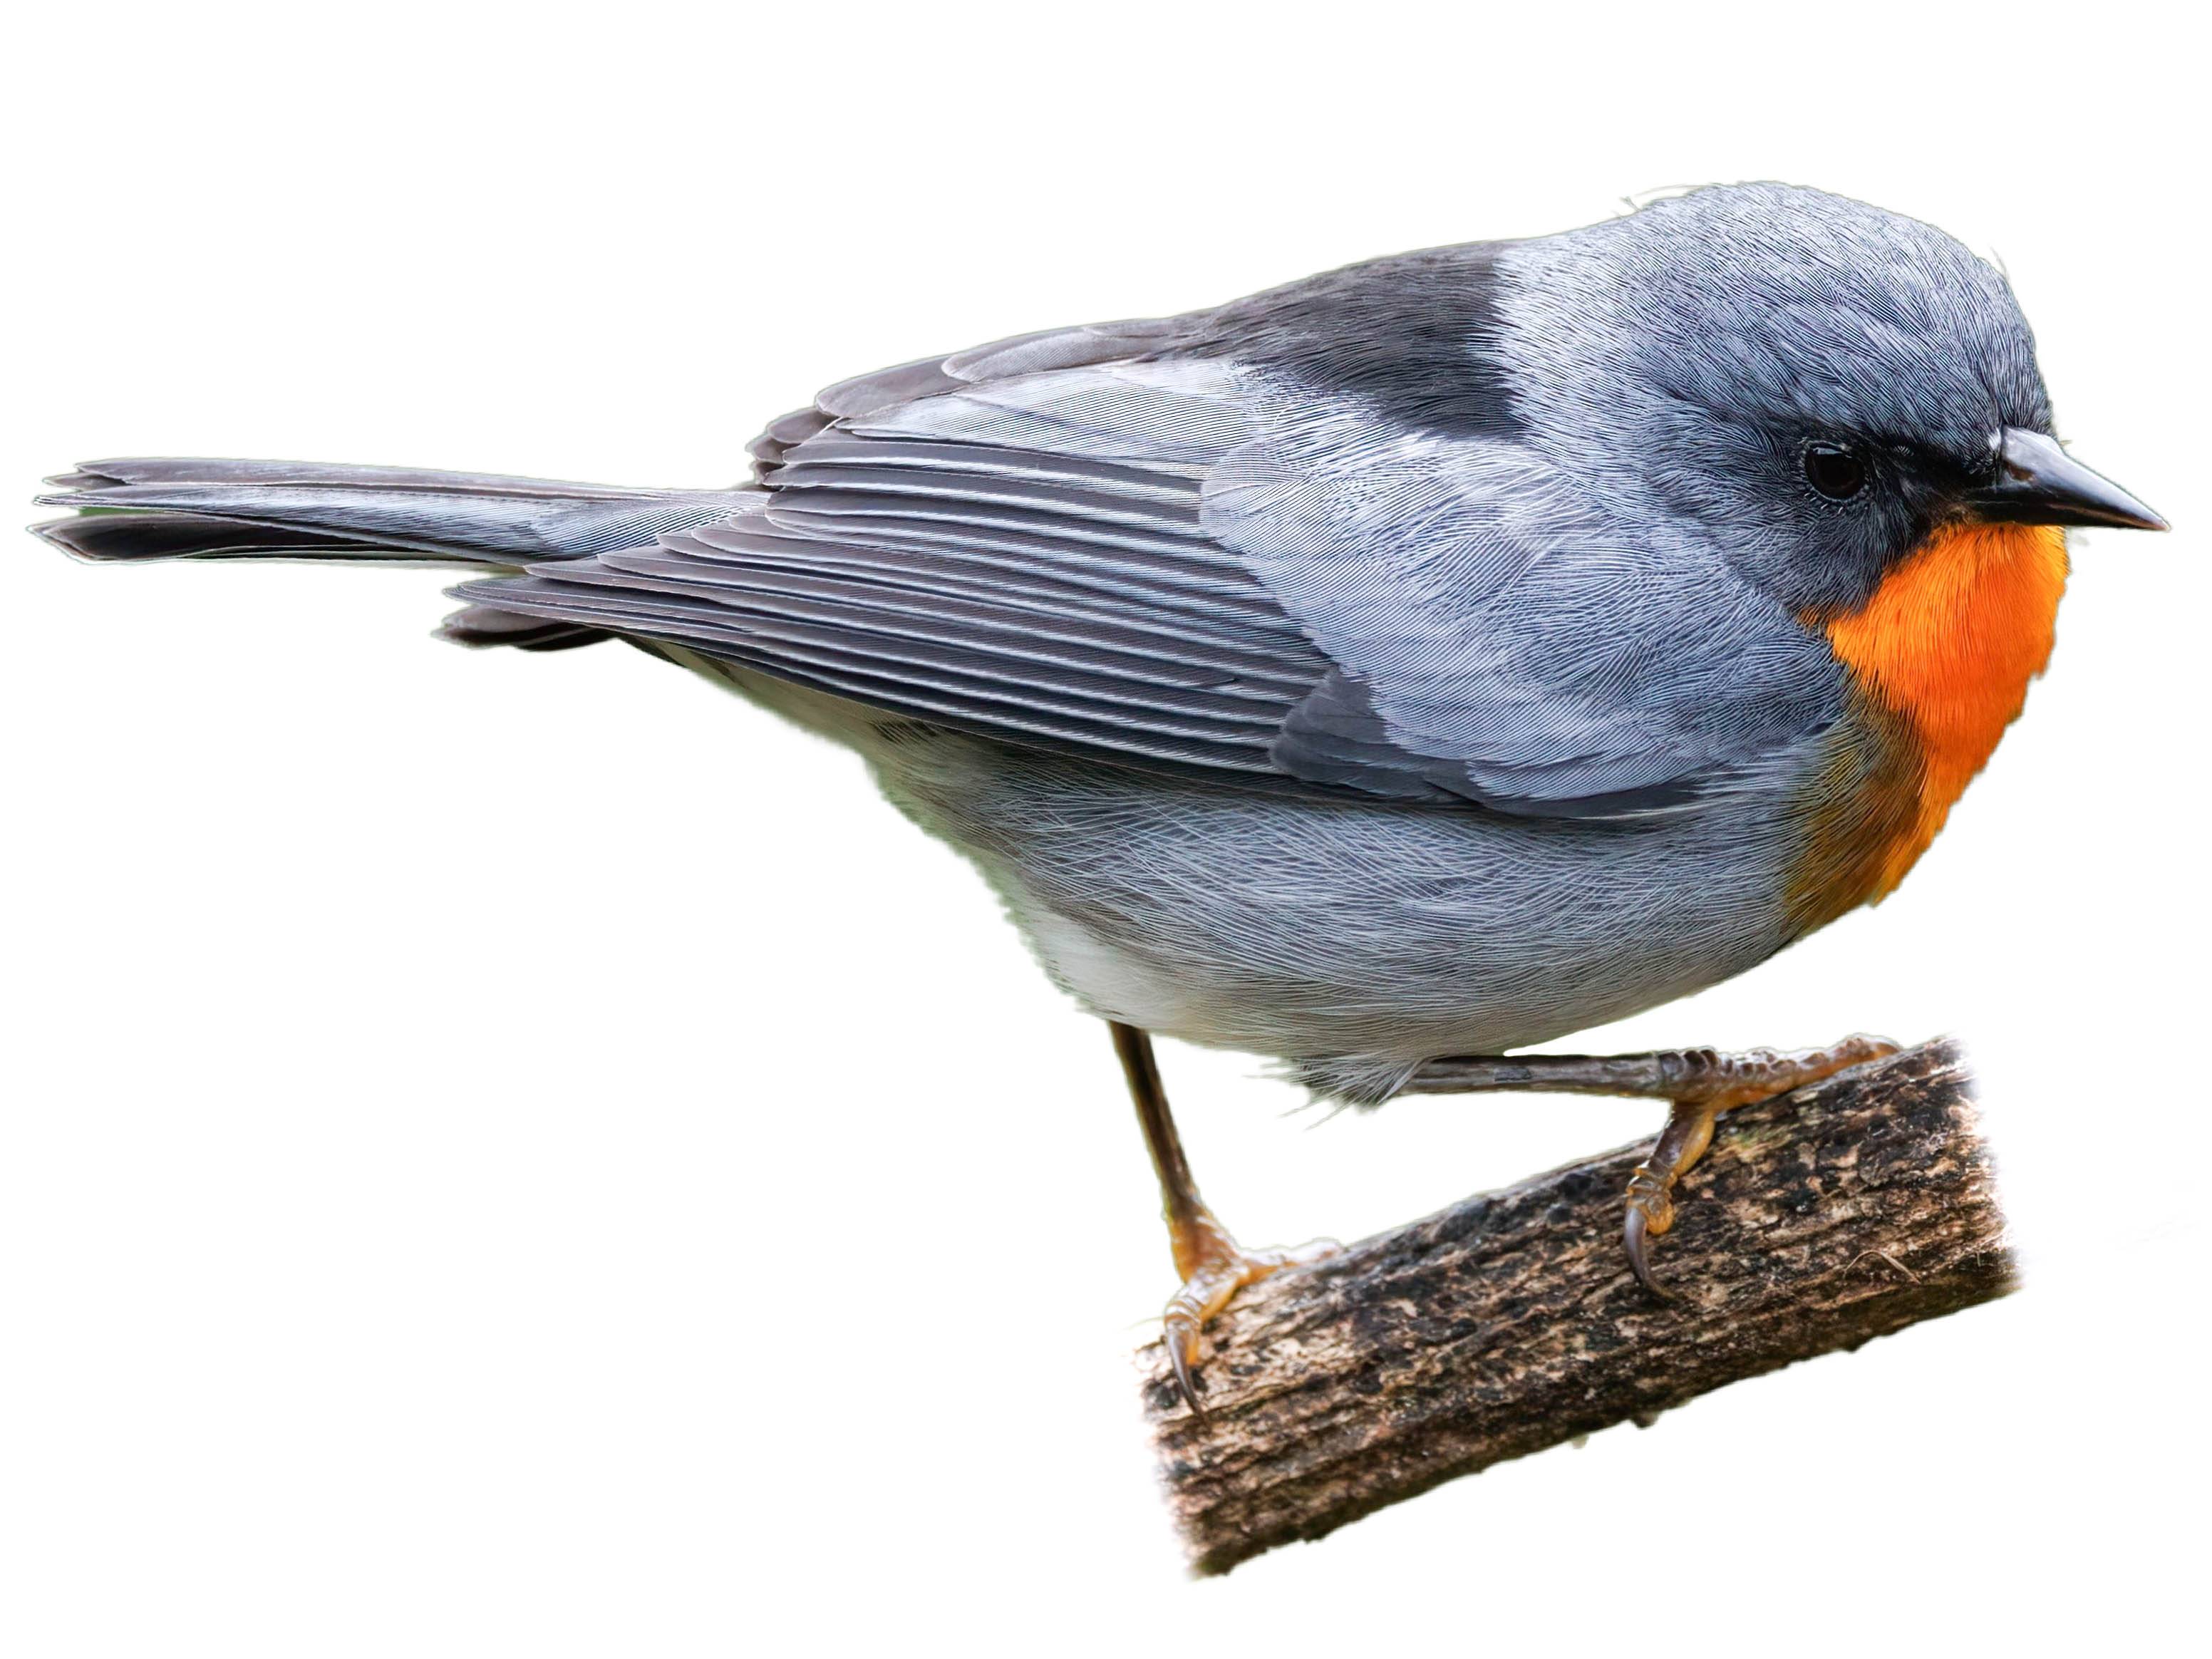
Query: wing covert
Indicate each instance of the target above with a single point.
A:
(1494, 636)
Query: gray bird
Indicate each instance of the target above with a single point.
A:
(1381, 673)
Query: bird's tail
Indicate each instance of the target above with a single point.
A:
(153, 508)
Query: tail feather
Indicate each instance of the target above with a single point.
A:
(105, 535)
(165, 508)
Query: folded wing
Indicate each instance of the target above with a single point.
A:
(1135, 543)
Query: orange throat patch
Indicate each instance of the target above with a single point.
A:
(1945, 646)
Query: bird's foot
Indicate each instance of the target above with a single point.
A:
(1214, 1267)
(1703, 1084)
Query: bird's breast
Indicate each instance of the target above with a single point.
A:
(1939, 659)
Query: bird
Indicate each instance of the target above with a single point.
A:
(1384, 673)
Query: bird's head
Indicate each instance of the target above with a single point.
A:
(1818, 386)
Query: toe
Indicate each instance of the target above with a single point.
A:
(1258, 1264)
(1210, 1289)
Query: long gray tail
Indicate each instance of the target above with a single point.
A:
(156, 508)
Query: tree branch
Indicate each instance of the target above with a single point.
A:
(1509, 1322)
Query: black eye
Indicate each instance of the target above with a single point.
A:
(1834, 470)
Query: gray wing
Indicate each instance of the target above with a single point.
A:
(1007, 540)
(1152, 542)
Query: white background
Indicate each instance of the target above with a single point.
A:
(511, 1155)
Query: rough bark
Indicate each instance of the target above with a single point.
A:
(1509, 1322)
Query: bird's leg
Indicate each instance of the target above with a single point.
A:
(1702, 1083)
(1212, 1266)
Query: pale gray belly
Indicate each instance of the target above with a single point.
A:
(1352, 940)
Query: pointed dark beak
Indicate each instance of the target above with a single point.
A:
(2039, 483)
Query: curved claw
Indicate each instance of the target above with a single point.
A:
(1226, 1270)
(1181, 1340)
(1633, 1233)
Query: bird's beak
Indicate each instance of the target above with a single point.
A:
(2039, 483)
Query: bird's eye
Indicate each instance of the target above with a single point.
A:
(1835, 470)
